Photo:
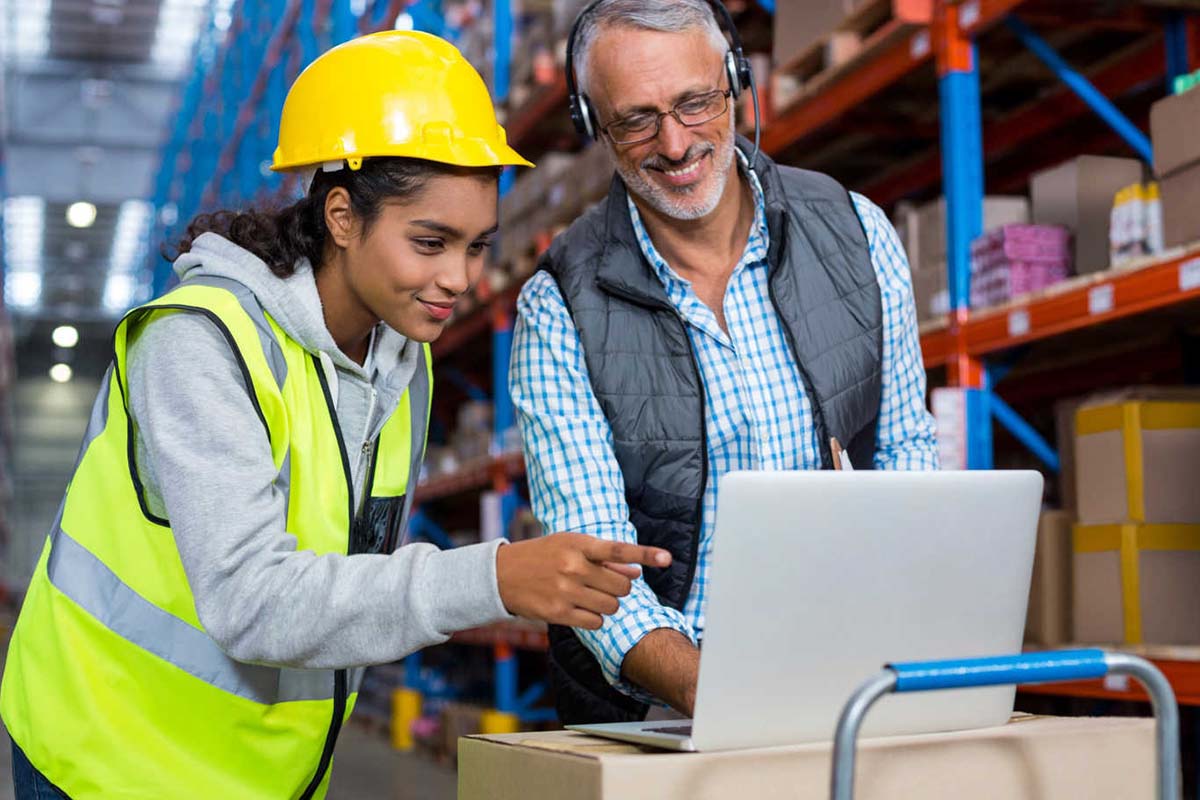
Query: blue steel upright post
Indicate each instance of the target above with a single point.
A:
(962, 171)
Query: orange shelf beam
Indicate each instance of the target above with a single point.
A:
(1184, 677)
(1082, 303)
(1090, 301)
(905, 48)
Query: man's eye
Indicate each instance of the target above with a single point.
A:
(634, 124)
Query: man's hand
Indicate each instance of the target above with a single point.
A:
(570, 578)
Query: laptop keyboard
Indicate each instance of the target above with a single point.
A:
(679, 730)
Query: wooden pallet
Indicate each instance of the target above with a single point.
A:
(872, 24)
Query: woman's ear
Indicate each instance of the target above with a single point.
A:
(340, 219)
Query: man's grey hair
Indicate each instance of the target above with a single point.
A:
(667, 16)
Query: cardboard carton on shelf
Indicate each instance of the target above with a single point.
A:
(931, 293)
(1136, 453)
(1180, 194)
(1137, 584)
(1040, 757)
(1079, 194)
(927, 231)
(1048, 620)
(799, 25)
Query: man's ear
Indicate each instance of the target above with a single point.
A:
(340, 220)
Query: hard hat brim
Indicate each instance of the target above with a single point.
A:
(460, 153)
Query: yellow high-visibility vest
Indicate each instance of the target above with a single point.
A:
(112, 687)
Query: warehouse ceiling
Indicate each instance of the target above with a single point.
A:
(89, 92)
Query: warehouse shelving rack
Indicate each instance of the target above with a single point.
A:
(216, 152)
(962, 344)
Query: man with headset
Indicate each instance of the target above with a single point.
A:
(716, 312)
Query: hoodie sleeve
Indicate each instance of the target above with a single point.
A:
(207, 456)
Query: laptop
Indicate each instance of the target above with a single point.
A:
(820, 578)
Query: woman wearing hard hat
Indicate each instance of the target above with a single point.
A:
(226, 559)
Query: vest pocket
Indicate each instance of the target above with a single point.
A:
(377, 528)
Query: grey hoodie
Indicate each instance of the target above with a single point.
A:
(206, 465)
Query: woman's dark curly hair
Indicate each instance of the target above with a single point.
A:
(282, 236)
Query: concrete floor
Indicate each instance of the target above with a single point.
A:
(365, 766)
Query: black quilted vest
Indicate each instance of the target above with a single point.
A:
(645, 375)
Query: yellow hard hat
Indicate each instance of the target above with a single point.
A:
(393, 93)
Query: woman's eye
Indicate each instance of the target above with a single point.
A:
(478, 247)
(429, 244)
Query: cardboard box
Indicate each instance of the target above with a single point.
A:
(1173, 124)
(800, 24)
(930, 225)
(1137, 584)
(1043, 757)
(1180, 193)
(1079, 194)
(1064, 439)
(930, 293)
(1135, 459)
(1048, 621)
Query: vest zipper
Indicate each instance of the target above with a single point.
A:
(694, 563)
(339, 676)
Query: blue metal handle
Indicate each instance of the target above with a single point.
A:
(1062, 665)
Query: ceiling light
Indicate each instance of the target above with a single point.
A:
(65, 336)
(120, 292)
(23, 290)
(61, 373)
(81, 214)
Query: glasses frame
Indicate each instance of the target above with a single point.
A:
(673, 111)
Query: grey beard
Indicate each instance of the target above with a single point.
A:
(667, 201)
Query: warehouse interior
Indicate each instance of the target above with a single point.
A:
(1037, 160)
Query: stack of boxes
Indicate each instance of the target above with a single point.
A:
(1120, 564)
(1137, 542)
(923, 233)
(1173, 122)
(1078, 195)
(1017, 259)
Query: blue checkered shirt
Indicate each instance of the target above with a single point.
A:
(757, 413)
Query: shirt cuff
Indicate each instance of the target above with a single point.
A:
(640, 614)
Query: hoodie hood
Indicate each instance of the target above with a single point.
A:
(295, 305)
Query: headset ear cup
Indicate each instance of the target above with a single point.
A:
(733, 74)
(590, 126)
(745, 73)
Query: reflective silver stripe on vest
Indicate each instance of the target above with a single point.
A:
(254, 310)
(418, 403)
(98, 418)
(354, 678)
(86, 580)
(78, 574)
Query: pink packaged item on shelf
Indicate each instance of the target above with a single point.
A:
(1023, 243)
(1018, 259)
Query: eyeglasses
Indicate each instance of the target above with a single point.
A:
(643, 126)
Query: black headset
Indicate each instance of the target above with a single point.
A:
(737, 70)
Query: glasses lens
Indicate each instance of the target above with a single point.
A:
(702, 109)
(628, 131)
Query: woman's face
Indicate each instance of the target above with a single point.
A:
(420, 255)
